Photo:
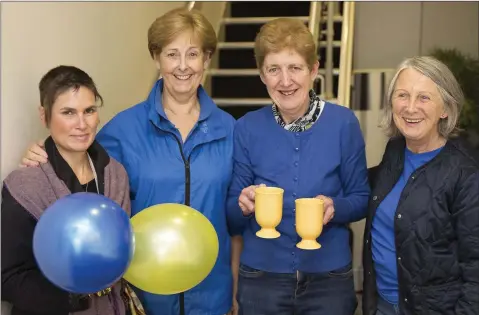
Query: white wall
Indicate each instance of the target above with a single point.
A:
(388, 32)
(106, 39)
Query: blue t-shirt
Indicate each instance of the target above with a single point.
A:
(382, 233)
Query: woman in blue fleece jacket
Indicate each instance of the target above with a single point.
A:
(177, 146)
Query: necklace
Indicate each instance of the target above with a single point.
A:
(92, 167)
(83, 175)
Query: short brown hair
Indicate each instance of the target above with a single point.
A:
(61, 79)
(285, 33)
(447, 85)
(168, 26)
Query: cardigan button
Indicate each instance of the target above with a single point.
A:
(375, 198)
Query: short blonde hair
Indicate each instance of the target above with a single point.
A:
(447, 85)
(285, 33)
(168, 26)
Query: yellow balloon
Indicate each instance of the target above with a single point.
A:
(176, 248)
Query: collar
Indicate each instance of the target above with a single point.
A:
(99, 158)
(396, 147)
(157, 113)
(304, 122)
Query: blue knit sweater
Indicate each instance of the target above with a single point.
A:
(328, 159)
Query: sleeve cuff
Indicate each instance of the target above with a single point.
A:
(342, 210)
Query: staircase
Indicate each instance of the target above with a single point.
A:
(233, 79)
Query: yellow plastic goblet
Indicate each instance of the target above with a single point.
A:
(268, 210)
(309, 222)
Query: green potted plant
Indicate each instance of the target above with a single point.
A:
(466, 71)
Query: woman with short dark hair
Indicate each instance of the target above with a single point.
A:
(77, 163)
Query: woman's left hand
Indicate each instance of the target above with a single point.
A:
(234, 309)
(328, 208)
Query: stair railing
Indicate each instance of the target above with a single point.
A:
(314, 23)
(346, 54)
(190, 5)
(328, 67)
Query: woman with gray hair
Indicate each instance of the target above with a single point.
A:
(421, 242)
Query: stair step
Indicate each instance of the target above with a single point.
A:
(235, 45)
(269, 8)
(266, 19)
(249, 72)
(247, 87)
(247, 32)
(238, 87)
(241, 32)
(258, 19)
(244, 58)
(239, 111)
(250, 45)
(242, 101)
(236, 59)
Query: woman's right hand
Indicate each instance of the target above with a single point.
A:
(246, 199)
(35, 155)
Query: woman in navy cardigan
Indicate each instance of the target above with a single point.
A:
(310, 148)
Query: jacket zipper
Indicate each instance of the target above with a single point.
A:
(187, 202)
(404, 194)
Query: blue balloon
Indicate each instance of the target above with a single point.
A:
(83, 243)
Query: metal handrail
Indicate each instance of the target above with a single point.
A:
(207, 74)
(346, 55)
(314, 18)
(248, 45)
(315, 14)
(328, 93)
(190, 5)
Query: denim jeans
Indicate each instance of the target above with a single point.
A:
(264, 293)
(386, 308)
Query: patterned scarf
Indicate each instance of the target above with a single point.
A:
(132, 302)
(305, 122)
